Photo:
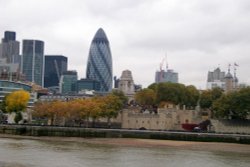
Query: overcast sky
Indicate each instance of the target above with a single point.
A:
(197, 35)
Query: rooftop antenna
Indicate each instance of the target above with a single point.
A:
(229, 66)
(235, 65)
(166, 61)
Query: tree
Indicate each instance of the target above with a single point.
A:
(121, 96)
(145, 97)
(170, 92)
(235, 105)
(110, 105)
(3, 105)
(206, 99)
(209, 96)
(192, 96)
(17, 102)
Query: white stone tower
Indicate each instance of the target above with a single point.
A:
(126, 84)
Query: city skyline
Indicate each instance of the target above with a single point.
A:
(197, 35)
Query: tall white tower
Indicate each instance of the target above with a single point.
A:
(126, 84)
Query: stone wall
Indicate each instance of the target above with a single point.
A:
(231, 126)
(27, 130)
(164, 119)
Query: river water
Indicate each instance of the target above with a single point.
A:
(36, 153)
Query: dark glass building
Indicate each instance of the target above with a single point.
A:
(33, 61)
(87, 84)
(55, 65)
(68, 82)
(99, 65)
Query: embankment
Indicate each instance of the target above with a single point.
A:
(28, 130)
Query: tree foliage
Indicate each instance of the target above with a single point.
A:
(120, 95)
(235, 105)
(17, 101)
(208, 97)
(168, 92)
(80, 109)
(145, 97)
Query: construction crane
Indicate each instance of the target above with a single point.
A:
(57, 70)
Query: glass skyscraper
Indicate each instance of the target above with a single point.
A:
(99, 65)
(55, 65)
(33, 61)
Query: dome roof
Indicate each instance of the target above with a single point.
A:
(229, 75)
(100, 36)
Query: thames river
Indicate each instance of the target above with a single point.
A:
(39, 153)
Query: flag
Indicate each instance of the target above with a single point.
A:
(236, 64)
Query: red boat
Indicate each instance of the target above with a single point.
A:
(188, 126)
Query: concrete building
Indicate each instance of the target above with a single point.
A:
(55, 65)
(9, 48)
(68, 82)
(226, 81)
(99, 66)
(33, 61)
(215, 79)
(126, 84)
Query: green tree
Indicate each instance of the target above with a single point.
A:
(170, 92)
(206, 99)
(120, 95)
(3, 105)
(111, 106)
(145, 97)
(192, 96)
(209, 96)
(235, 105)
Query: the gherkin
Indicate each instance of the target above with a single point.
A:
(99, 65)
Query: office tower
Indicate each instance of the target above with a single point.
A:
(99, 65)
(55, 65)
(67, 83)
(9, 48)
(215, 79)
(33, 61)
(87, 84)
(166, 76)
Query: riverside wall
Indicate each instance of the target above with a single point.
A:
(27, 130)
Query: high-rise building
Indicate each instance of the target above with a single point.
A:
(166, 76)
(33, 61)
(68, 82)
(99, 65)
(87, 84)
(55, 65)
(9, 48)
(216, 78)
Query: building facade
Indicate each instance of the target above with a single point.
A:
(87, 84)
(99, 66)
(164, 119)
(55, 65)
(215, 79)
(68, 82)
(166, 76)
(9, 57)
(9, 48)
(33, 61)
(126, 84)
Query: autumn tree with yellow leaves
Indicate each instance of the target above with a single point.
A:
(80, 110)
(17, 102)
